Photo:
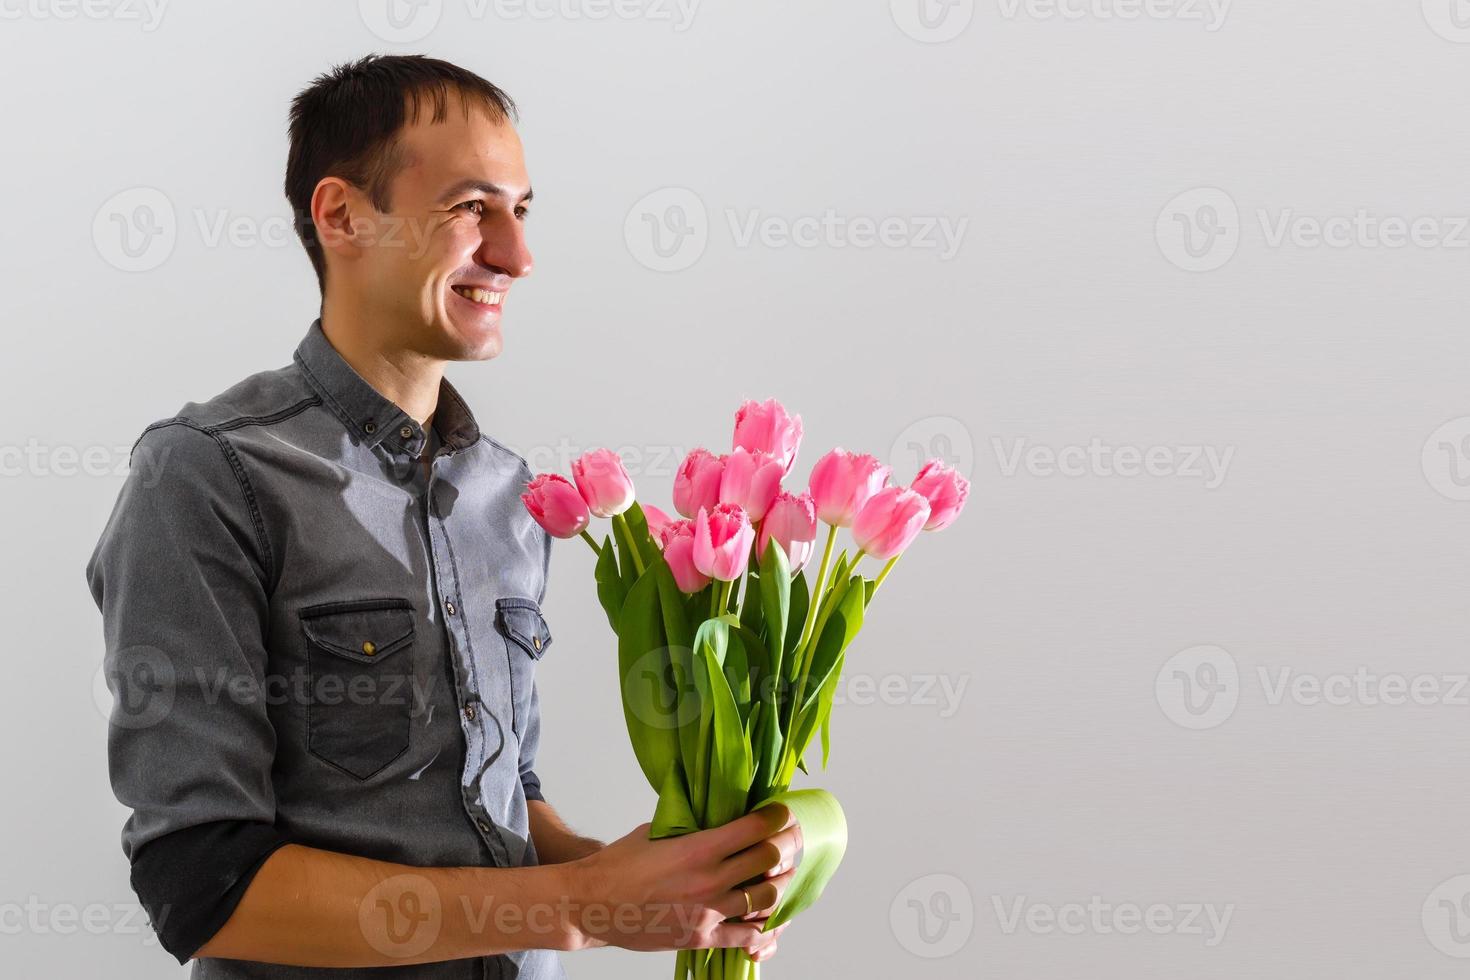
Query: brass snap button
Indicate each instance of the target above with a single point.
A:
(406, 432)
(536, 642)
(370, 427)
(369, 647)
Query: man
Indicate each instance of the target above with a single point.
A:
(322, 610)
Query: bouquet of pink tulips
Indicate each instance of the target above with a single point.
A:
(728, 661)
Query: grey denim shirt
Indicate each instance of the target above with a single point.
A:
(306, 633)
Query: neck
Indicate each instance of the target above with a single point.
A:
(405, 377)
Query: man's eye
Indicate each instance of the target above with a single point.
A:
(474, 207)
(522, 212)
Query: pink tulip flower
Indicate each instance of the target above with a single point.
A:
(766, 427)
(842, 482)
(697, 483)
(945, 490)
(677, 541)
(751, 479)
(603, 482)
(722, 540)
(889, 521)
(556, 505)
(792, 522)
(657, 521)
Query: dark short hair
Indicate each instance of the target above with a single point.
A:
(346, 124)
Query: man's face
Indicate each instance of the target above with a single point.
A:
(441, 265)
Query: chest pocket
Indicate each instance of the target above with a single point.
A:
(360, 705)
(527, 637)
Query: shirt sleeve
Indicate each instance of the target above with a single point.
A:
(530, 782)
(531, 740)
(181, 576)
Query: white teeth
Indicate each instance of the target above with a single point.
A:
(483, 296)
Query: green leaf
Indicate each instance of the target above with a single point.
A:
(737, 670)
(680, 639)
(824, 841)
(710, 640)
(842, 625)
(775, 593)
(612, 591)
(638, 524)
(752, 616)
(869, 585)
(826, 738)
(807, 721)
(673, 816)
(839, 568)
(651, 703)
(800, 600)
(731, 768)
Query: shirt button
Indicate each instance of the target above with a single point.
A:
(449, 605)
(406, 432)
(369, 647)
(484, 826)
(469, 712)
(370, 427)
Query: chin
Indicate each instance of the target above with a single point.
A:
(469, 329)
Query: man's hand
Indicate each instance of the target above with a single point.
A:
(684, 892)
(789, 842)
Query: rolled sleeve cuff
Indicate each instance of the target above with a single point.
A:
(531, 783)
(190, 881)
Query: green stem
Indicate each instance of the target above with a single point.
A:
(855, 559)
(816, 596)
(724, 605)
(591, 542)
(878, 583)
(621, 524)
(788, 750)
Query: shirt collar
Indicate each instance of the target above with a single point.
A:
(370, 417)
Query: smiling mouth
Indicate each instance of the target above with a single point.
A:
(483, 297)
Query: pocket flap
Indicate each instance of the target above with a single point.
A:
(521, 620)
(366, 630)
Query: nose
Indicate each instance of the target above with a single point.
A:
(503, 246)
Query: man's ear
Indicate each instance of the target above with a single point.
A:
(336, 210)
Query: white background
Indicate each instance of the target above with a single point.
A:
(1123, 275)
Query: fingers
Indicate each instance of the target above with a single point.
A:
(732, 904)
(745, 935)
(764, 953)
(764, 897)
(771, 856)
(750, 829)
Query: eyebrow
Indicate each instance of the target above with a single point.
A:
(481, 186)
